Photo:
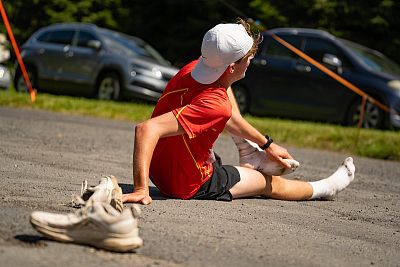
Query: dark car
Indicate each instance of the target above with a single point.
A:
(86, 60)
(280, 83)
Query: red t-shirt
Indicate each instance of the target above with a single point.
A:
(181, 164)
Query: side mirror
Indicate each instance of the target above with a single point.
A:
(333, 62)
(95, 44)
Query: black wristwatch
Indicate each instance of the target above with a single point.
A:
(268, 143)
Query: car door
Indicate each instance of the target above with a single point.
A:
(321, 96)
(83, 63)
(54, 45)
(272, 78)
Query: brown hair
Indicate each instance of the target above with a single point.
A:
(257, 37)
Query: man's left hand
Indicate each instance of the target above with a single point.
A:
(279, 153)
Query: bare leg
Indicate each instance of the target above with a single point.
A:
(253, 183)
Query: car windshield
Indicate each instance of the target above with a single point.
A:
(373, 59)
(131, 46)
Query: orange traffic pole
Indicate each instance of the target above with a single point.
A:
(362, 111)
(17, 53)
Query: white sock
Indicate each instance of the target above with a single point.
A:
(328, 188)
(253, 157)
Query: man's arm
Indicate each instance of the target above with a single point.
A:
(147, 135)
(237, 125)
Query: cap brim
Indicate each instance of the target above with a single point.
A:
(206, 75)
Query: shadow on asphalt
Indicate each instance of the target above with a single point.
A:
(154, 192)
(31, 239)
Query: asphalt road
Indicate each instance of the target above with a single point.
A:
(45, 156)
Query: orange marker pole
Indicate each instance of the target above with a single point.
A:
(16, 50)
(362, 111)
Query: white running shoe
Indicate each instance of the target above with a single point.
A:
(251, 156)
(97, 224)
(107, 191)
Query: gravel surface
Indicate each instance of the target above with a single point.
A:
(45, 156)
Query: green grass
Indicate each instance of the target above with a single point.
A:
(78, 106)
(364, 142)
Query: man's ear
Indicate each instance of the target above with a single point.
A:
(231, 67)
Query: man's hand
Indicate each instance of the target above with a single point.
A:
(279, 153)
(137, 197)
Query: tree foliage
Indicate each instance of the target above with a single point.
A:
(176, 27)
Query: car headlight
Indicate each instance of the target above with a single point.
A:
(394, 84)
(143, 70)
(157, 73)
(2, 73)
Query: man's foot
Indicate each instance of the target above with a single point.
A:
(107, 191)
(97, 224)
(329, 187)
(251, 156)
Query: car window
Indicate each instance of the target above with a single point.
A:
(273, 48)
(131, 46)
(57, 37)
(373, 59)
(84, 38)
(317, 48)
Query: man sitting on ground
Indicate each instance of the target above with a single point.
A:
(175, 147)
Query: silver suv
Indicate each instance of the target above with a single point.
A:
(86, 60)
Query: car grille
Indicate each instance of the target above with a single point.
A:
(148, 86)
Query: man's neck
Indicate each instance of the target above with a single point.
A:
(224, 82)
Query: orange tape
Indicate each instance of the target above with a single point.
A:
(17, 53)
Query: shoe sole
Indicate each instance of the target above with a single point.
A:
(118, 243)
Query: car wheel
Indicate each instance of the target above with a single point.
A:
(374, 117)
(242, 98)
(108, 87)
(19, 81)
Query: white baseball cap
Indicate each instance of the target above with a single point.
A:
(222, 45)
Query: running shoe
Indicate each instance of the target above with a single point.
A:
(97, 224)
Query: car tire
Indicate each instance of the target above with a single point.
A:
(108, 87)
(19, 81)
(374, 117)
(242, 98)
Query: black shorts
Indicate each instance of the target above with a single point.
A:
(224, 177)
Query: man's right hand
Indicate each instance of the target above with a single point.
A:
(137, 197)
